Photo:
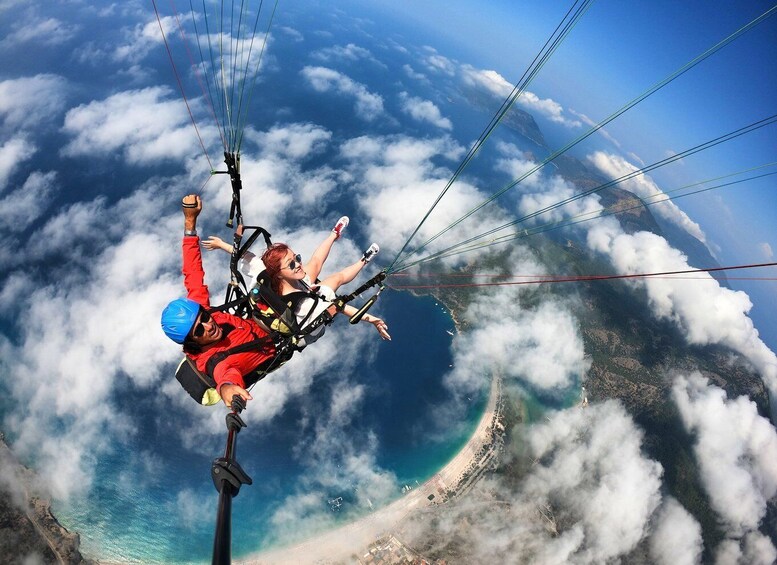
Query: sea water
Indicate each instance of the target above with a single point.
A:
(126, 517)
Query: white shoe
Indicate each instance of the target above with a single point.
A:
(372, 250)
(341, 224)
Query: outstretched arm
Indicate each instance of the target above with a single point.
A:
(193, 274)
(215, 242)
(379, 324)
(248, 263)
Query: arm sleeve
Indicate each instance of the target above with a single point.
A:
(193, 273)
(226, 372)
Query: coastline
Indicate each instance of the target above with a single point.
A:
(457, 476)
(33, 531)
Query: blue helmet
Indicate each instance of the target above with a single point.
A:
(179, 317)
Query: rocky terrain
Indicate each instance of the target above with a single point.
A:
(29, 532)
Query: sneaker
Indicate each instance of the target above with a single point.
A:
(341, 224)
(372, 250)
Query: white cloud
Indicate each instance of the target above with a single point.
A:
(192, 508)
(13, 287)
(539, 192)
(338, 457)
(27, 102)
(368, 104)
(592, 469)
(12, 154)
(588, 498)
(676, 537)
(497, 85)
(540, 346)
(551, 109)
(423, 111)
(397, 46)
(759, 549)
(615, 166)
(144, 126)
(437, 63)
(48, 31)
(412, 73)
(144, 38)
(671, 153)
(517, 166)
(350, 52)
(20, 208)
(69, 415)
(601, 131)
(293, 33)
(766, 250)
(395, 174)
(69, 226)
(705, 312)
(736, 450)
(753, 549)
(292, 141)
(491, 81)
(278, 173)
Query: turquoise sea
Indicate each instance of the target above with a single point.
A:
(131, 513)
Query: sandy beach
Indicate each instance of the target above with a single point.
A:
(340, 544)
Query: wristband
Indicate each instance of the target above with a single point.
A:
(190, 232)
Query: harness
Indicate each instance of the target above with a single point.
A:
(275, 313)
(201, 386)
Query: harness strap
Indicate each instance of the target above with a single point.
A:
(233, 168)
(256, 343)
(206, 380)
(237, 276)
(227, 305)
(258, 230)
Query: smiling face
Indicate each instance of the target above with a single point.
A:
(206, 330)
(291, 267)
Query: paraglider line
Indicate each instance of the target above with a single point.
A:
(180, 85)
(541, 279)
(659, 85)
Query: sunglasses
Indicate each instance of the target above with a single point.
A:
(294, 262)
(199, 328)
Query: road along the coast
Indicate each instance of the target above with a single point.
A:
(343, 542)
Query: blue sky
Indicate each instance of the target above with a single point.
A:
(617, 51)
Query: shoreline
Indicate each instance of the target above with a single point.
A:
(457, 476)
(30, 528)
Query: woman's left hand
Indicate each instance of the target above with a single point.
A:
(215, 242)
(382, 328)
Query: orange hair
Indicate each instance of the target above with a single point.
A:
(272, 259)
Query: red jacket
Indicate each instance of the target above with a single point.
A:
(231, 369)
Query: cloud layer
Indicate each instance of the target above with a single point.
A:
(589, 497)
(705, 312)
(615, 166)
(737, 454)
(145, 125)
(368, 105)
